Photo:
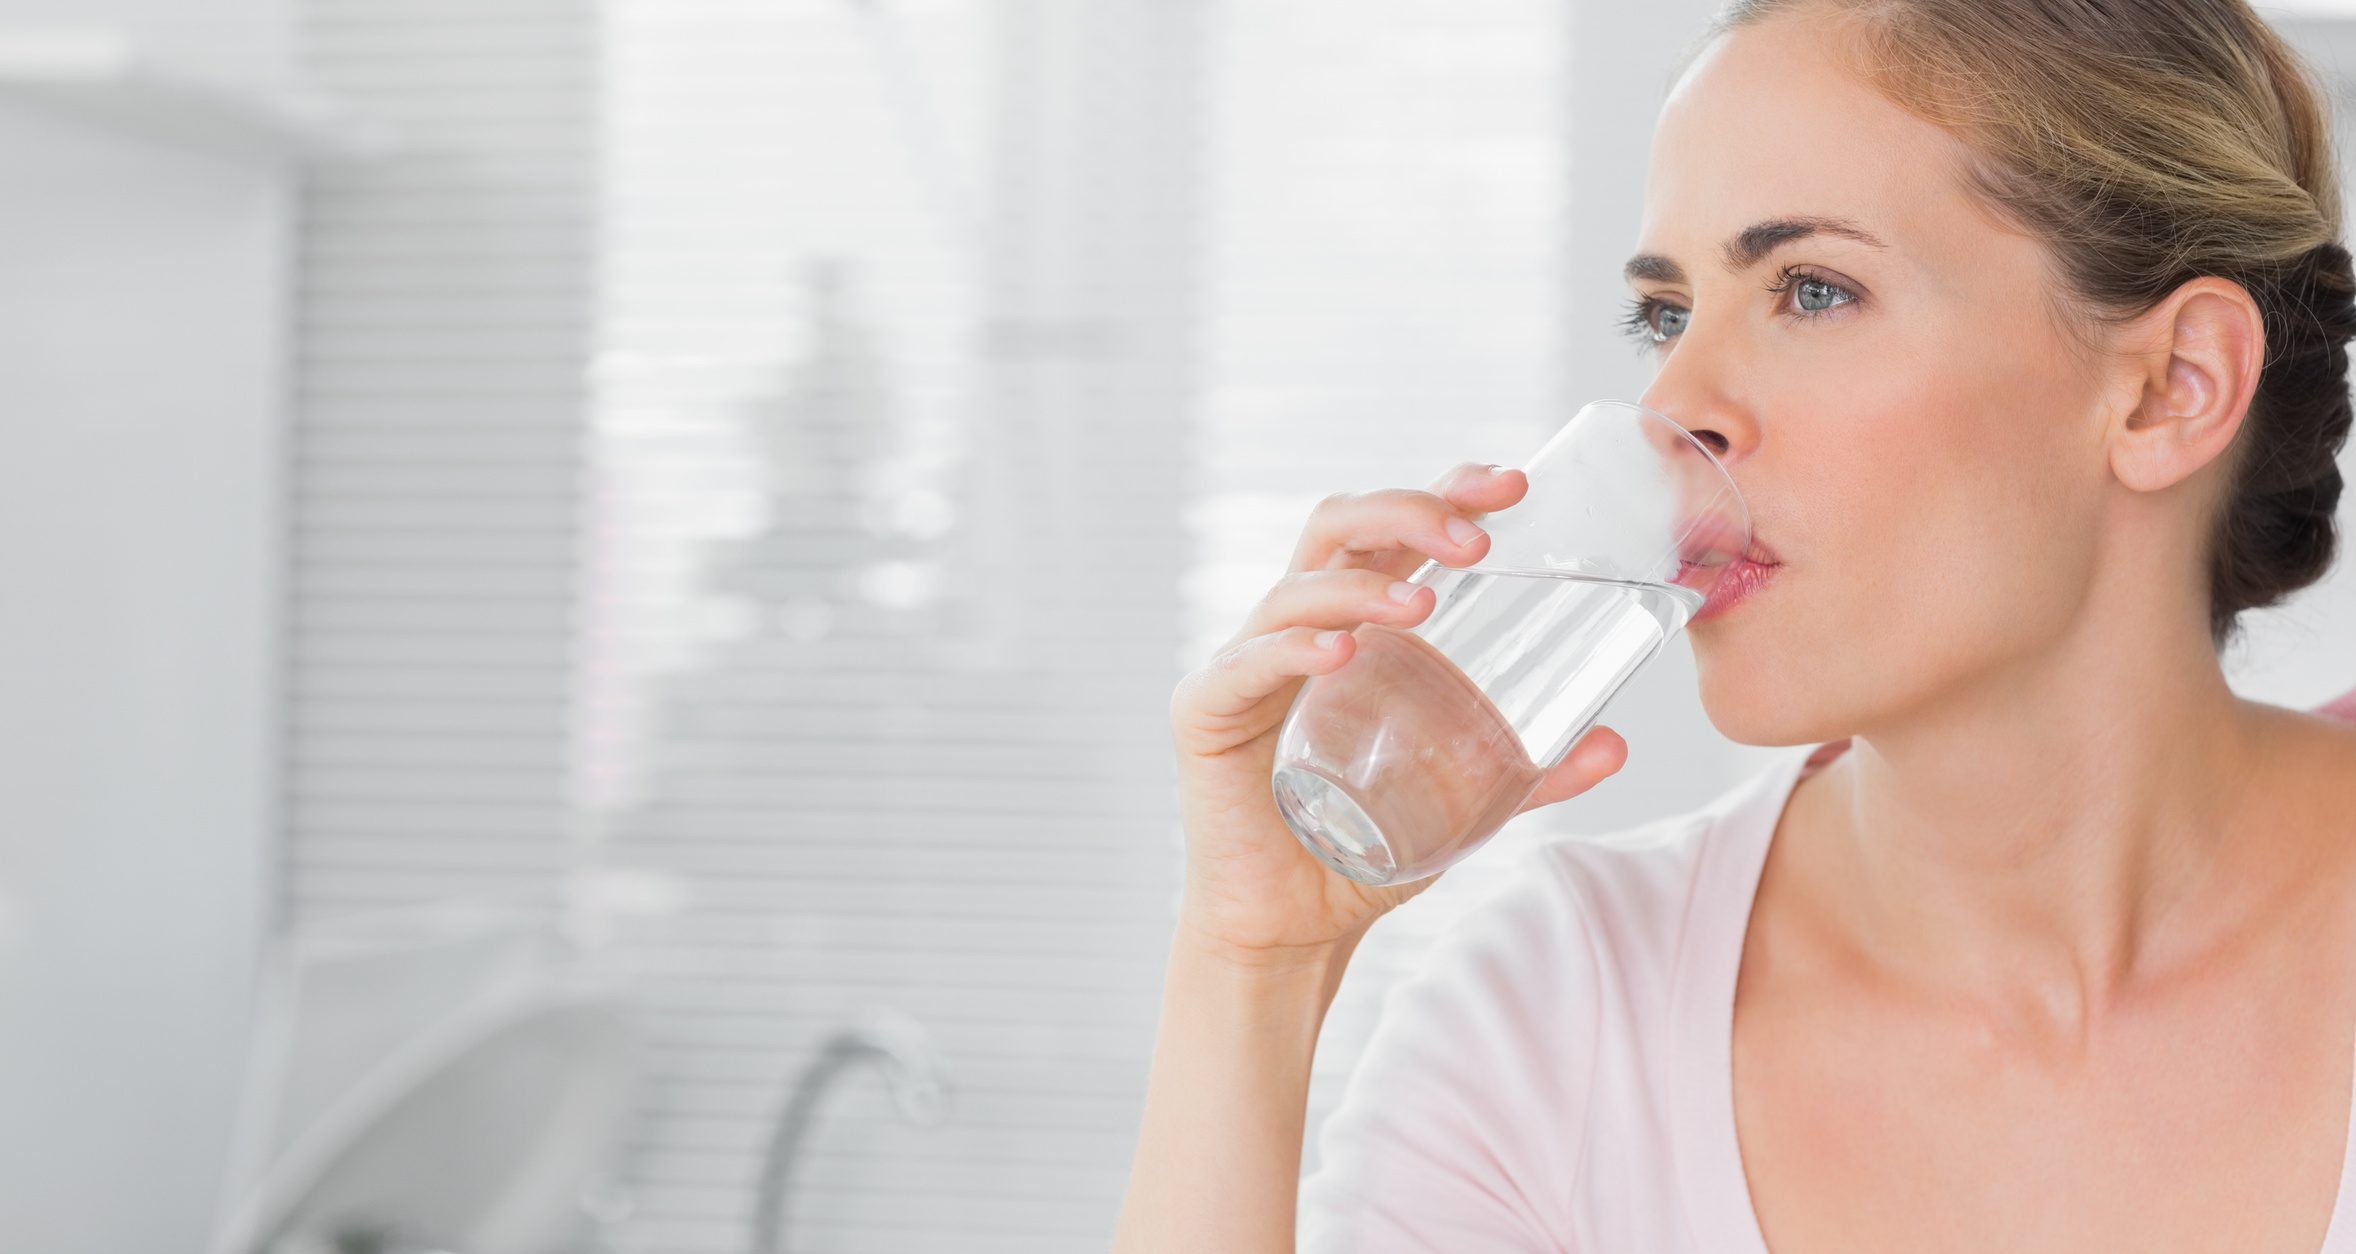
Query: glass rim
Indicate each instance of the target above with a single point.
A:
(1709, 518)
(1725, 476)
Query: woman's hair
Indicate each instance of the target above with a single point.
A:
(2145, 143)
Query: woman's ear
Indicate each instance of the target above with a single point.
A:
(2197, 356)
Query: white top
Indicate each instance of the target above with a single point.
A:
(1558, 1074)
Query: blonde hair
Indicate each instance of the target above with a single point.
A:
(2146, 143)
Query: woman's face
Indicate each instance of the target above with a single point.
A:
(1917, 446)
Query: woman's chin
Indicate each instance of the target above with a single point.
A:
(1750, 698)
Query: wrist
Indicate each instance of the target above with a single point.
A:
(1319, 964)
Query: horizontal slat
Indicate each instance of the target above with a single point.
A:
(545, 719)
(902, 854)
(553, 311)
(752, 764)
(847, 859)
(444, 342)
(543, 548)
(363, 740)
(393, 15)
(1047, 1034)
(882, 789)
(1013, 986)
(1076, 901)
(928, 1149)
(480, 439)
(435, 379)
(325, 515)
(980, 1193)
(489, 79)
(352, 583)
(1101, 677)
(885, 1235)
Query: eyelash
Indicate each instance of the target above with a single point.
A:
(1636, 323)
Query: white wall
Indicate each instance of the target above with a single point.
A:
(140, 384)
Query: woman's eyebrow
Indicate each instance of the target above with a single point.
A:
(1751, 245)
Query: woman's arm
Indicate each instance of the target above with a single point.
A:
(1219, 1150)
(1265, 929)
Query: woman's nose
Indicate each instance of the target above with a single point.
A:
(1692, 388)
(1725, 430)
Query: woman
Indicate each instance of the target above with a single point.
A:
(2039, 938)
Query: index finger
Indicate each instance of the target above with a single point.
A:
(1481, 490)
(1358, 530)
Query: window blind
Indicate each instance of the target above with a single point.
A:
(443, 301)
(891, 434)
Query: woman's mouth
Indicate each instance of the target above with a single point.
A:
(1741, 561)
(1735, 585)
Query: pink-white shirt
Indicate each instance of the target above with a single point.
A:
(1557, 1075)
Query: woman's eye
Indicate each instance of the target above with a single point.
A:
(1816, 295)
(1652, 323)
(1809, 295)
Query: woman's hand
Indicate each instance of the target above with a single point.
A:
(1252, 892)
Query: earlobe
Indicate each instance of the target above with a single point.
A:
(2203, 349)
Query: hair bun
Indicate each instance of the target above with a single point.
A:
(2279, 533)
(2327, 283)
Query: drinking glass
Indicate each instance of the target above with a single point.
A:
(1429, 738)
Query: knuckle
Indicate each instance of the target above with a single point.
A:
(1306, 590)
(1192, 693)
(1407, 506)
(1284, 589)
(1344, 584)
(1332, 501)
(1293, 581)
(1227, 660)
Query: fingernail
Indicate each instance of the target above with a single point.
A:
(1462, 531)
(1325, 639)
(1495, 469)
(1403, 591)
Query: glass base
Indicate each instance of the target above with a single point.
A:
(1332, 825)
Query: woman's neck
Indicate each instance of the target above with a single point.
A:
(2023, 841)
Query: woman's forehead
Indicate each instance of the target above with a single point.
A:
(1767, 121)
(1767, 125)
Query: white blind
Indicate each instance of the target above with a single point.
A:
(744, 441)
(443, 303)
(891, 436)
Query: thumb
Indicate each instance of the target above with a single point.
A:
(1598, 755)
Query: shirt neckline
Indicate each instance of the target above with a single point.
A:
(1716, 1190)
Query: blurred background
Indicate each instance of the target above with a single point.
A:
(593, 588)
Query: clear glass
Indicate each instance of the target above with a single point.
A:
(1420, 748)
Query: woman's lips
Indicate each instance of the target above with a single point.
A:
(1708, 543)
(1737, 585)
(1710, 540)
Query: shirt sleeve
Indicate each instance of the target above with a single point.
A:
(1461, 1125)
